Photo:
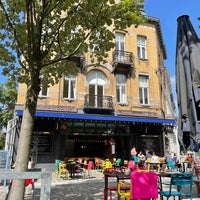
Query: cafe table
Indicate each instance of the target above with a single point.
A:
(151, 165)
(118, 175)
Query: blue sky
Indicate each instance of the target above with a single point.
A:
(168, 11)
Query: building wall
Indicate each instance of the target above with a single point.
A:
(126, 134)
(155, 59)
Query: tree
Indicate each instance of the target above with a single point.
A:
(43, 36)
(8, 96)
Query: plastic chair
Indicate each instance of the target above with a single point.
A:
(125, 163)
(106, 164)
(118, 162)
(27, 183)
(90, 167)
(131, 164)
(144, 185)
(179, 180)
(124, 189)
(197, 171)
(98, 162)
(57, 165)
(171, 165)
(63, 170)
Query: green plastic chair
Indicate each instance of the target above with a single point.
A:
(176, 185)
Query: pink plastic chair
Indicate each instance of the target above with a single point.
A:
(131, 164)
(144, 181)
(90, 167)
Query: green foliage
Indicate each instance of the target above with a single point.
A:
(42, 36)
(8, 96)
(2, 141)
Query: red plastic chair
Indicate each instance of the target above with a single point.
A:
(27, 183)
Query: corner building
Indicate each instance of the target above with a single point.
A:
(104, 110)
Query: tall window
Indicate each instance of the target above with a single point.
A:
(121, 88)
(144, 89)
(43, 91)
(141, 47)
(69, 87)
(96, 80)
(120, 45)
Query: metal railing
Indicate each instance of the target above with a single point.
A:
(45, 176)
(97, 101)
(122, 57)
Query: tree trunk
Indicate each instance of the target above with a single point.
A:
(21, 165)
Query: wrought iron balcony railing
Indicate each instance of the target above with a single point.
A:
(124, 57)
(98, 102)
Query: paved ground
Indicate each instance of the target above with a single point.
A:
(74, 189)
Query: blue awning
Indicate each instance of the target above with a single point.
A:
(100, 117)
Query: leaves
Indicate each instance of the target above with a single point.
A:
(8, 96)
(54, 31)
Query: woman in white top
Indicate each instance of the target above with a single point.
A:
(154, 157)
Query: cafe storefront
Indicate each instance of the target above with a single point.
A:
(80, 135)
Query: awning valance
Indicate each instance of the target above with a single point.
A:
(100, 117)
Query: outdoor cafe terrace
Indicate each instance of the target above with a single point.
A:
(90, 180)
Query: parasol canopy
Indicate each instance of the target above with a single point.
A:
(188, 84)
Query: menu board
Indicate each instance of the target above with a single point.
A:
(42, 142)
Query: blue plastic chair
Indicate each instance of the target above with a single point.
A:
(118, 162)
(179, 180)
(171, 165)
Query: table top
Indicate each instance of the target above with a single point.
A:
(117, 174)
(165, 174)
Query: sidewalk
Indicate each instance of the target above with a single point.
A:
(74, 189)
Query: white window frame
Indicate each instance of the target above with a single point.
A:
(121, 88)
(71, 86)
(43, 92)
(141, 47)
(144, 89)
(120, 45)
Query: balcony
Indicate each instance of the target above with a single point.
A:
(78, 60)
(96, 104)
(122, 61)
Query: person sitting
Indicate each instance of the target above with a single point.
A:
(191, 161)
(141, 156)
(148, 155)
(154, 157)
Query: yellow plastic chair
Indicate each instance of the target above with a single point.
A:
(63, 170)
(124, 193)
(125, 163)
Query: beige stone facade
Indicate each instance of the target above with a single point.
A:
(139, 92)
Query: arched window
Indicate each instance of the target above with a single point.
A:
(96, 80)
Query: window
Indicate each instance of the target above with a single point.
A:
(96, 80)
(120, 46)
(141, 47)
(69, 87)
(121, 88)
(144, 89)
(43, 91)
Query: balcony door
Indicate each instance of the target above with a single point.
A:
(96, 80)
(96, 96)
